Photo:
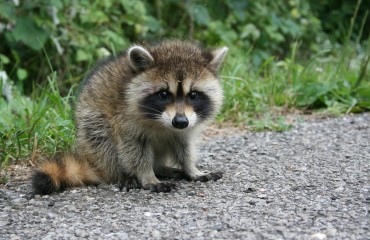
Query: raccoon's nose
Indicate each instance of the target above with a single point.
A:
(180, 121)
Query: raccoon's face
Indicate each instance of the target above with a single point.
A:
(176, 84)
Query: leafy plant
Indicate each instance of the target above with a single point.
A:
(41, 124)
(283, 56)
(77, 33)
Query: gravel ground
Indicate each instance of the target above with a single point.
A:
(312, 182)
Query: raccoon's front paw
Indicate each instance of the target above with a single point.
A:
(160, 187)
(169, 172)
(129, 183)
(209, 176)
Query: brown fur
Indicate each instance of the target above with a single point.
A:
(118, 141)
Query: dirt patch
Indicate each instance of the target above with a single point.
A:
(16, 173)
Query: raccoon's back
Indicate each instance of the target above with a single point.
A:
(104, 87)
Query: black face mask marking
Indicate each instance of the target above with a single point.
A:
(201, 103)
(180, 91)
(153, 105)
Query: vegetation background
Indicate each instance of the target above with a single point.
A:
(285, 56)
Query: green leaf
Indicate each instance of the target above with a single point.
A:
(239, 8)
(153, 24)
(223, 32)
(363, 96)
(309, 93)
(7, 10)
(82, 56)
(4, 59)
(134, 8)
(250, 31)
(27, 32)
(22, 74)
(199, 13)
(56, 3)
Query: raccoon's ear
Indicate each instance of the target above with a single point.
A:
(139, 58)
(218, 56)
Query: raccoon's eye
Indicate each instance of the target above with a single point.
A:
(163, 94)
(193, 95)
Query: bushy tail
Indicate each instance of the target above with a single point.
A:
(69, 170)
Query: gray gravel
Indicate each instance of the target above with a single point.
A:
(312, 182)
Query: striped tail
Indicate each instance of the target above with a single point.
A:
(69, 170)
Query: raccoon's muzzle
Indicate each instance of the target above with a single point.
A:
(180, 121)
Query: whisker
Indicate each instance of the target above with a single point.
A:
(150, 108)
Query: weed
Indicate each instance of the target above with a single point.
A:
(335, 80)
(37, 125)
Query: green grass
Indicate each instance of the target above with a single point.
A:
(328, 82)
(334, 81)
(37, 125)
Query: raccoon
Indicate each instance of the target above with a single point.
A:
(138, 116)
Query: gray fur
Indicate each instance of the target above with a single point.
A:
(124, 145)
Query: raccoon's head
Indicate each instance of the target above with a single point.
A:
(176, 83)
